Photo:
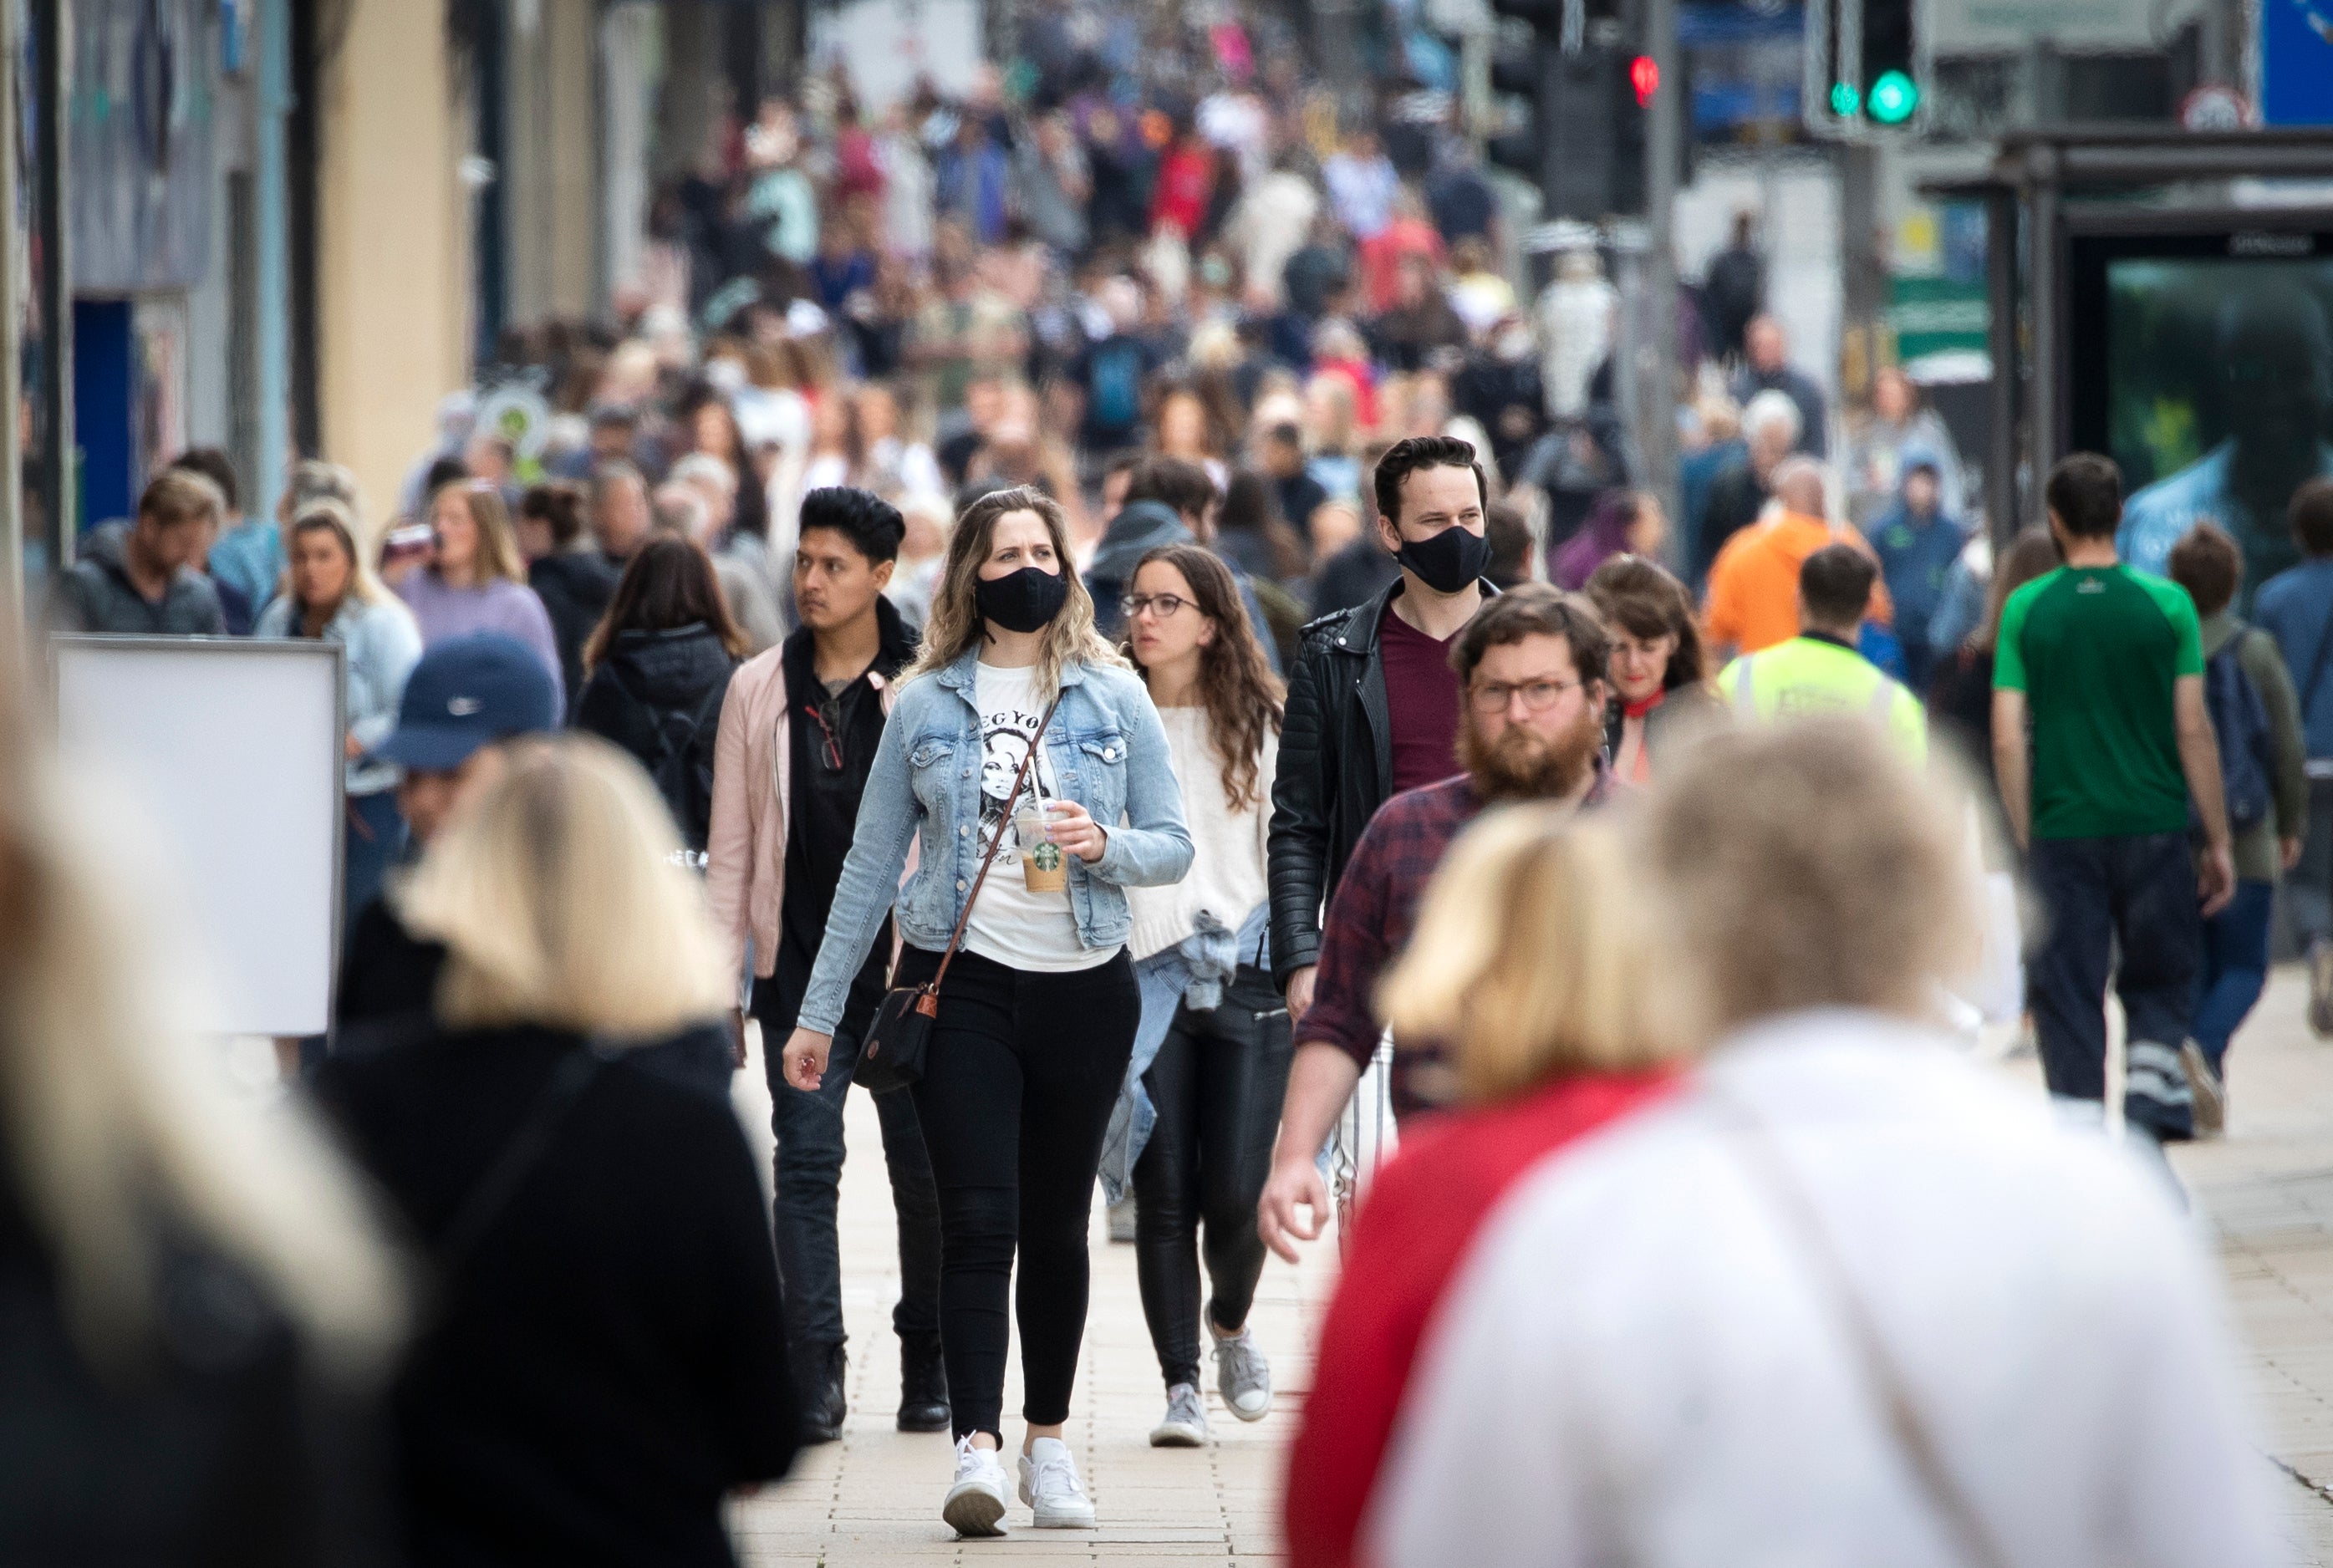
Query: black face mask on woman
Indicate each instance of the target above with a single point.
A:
(1023, 600)
(1449, 560)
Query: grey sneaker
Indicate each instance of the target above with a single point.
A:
(2210, 1094)
(2320, 986)
(1050, 1485)
(1242, 1376)
(1121, 1220)
(1186, 1425)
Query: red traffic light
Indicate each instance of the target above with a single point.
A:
(1645, 76)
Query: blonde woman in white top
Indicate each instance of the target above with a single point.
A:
(1211, 1057)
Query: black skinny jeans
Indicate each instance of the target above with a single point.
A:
(1216, 1083)
(1015, 1100)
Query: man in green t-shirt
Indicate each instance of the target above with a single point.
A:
(2102, 742)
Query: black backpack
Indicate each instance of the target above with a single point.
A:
(679, 757)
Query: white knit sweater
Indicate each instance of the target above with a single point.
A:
(1226, 877)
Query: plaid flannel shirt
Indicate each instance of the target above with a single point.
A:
(1371, 916)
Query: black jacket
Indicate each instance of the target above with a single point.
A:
(217, 1445)
(608, 1358)
(1335, 768)
(658, 695)
(388, 988)
(574, 586)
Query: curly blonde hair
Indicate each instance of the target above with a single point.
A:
(955, 626)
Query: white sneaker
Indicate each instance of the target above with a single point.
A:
(1050, 1485)
(1186, 1425)
(1242, 1376)
(975, 1504)
(2210, 1094)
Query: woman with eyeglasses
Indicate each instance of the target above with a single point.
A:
(660, 662)
(1194, 1129)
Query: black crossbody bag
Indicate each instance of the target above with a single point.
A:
(901, 1033)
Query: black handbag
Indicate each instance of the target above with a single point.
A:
(893, 1056)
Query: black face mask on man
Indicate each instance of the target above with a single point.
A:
(1449, 560)
(1023, 600)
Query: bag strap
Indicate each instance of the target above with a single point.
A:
(484, 1202)
(1763, 1158)
(947, 957)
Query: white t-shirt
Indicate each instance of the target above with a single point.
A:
(1008, 923)
(1226, 878)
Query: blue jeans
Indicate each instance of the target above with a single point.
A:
(372, 841)
(2135, 894)
(809, 1128)
(2235, 967)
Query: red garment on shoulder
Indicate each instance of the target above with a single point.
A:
(1414, 1230)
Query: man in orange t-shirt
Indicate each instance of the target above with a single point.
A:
(1753, 586)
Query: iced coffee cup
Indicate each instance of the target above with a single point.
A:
(1043, 868)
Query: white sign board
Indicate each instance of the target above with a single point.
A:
(2010, 26)
(889, 45)
(230, 750)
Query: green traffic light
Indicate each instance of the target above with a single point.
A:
(1844, 99)
(1893, 97)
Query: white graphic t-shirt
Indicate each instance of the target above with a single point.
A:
(1008, 923)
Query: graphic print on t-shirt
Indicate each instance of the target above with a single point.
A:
(1005, 732)
(1008, 922)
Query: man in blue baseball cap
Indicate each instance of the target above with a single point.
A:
(464, 698)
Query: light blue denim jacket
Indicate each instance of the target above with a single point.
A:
(1108, 754)
(384, 645)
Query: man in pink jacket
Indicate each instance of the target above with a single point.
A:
(798, 730)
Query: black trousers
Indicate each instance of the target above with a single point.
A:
(1015, 1098)
(2131, 900)
(809, 1154)
(1216, 1083)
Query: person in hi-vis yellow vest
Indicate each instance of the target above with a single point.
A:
(1819, 671)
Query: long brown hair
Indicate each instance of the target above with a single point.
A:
(669, 583)
(2032, 553)
(1643, 597)
(1236, 687)
(955, 628)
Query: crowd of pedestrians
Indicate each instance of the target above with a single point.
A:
(1158, 914)
(1097, 615)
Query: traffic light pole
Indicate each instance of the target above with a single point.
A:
(1657, 392)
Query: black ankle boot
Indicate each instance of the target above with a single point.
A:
(923, 1387)
(820, 1383)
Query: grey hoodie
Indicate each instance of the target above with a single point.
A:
(94, 594)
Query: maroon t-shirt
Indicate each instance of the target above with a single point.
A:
(1422, 695)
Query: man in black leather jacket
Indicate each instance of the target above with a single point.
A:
(1349, 739)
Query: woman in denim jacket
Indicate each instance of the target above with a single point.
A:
(330, 593)
(1037, 1011)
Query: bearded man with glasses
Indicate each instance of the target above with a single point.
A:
(1531, 668)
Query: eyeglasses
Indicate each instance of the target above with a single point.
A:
(1539, 695)
(828, 717)
(1166, 604)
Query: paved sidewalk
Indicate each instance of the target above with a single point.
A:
(2266, 1191)
(874, 1498)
